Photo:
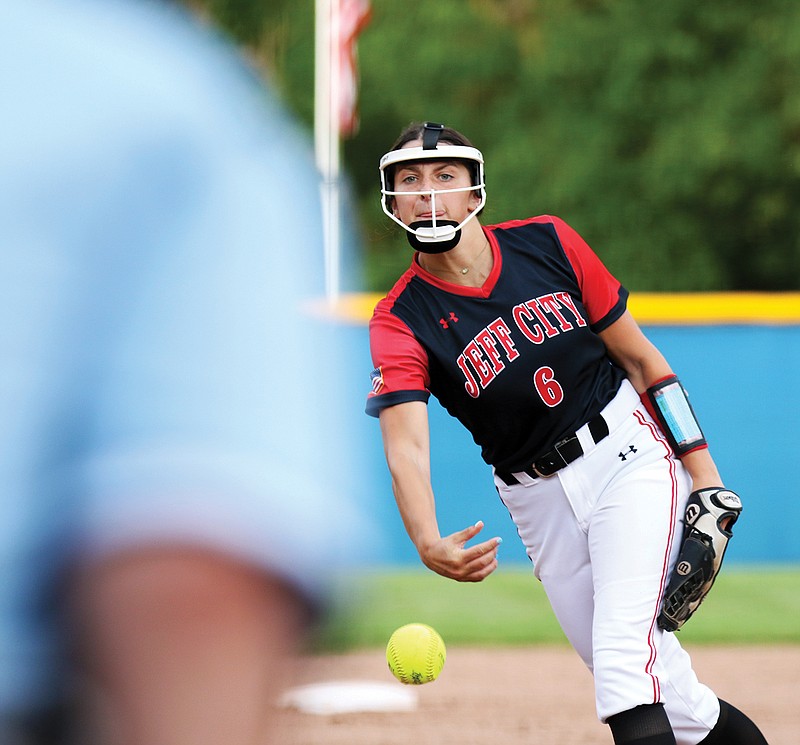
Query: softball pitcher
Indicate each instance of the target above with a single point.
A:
(523, 335)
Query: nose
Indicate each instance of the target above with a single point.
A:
(427, 185)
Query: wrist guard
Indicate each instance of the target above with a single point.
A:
(669, 404)
(701, 554)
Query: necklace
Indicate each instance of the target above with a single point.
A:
(464, 270)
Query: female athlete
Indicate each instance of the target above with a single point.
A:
(522, 334)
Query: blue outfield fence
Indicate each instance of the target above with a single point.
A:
(744, 382)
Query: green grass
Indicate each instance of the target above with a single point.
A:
(746, 606)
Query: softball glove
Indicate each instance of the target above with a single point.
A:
(709, 518)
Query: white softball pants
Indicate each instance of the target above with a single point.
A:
(602, 534)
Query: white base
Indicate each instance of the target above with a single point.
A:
(350, 696)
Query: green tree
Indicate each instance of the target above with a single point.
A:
(668, 134)
(669, 137)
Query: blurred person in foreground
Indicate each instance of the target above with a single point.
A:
(164, 535)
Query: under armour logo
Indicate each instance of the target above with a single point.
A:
(624, 456)
(446, 324)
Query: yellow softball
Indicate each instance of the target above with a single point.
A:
(416, 654)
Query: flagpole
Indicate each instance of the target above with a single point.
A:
(326, 135)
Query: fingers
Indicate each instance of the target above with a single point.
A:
(481, 560)
(450, 558)
(469, 532)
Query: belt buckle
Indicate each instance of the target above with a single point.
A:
(558, 467)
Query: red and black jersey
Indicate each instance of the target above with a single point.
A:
(517, 361)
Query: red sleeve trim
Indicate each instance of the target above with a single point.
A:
(603, 295)
(401, 363)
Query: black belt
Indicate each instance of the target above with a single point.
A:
(563, 453)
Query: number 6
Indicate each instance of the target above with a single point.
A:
(548, 387)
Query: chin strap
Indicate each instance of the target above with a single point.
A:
(419, 241)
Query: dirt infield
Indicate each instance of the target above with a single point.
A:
(529, 696)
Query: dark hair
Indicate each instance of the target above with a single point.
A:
(415, 130)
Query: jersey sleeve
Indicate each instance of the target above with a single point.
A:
(603, 296)
(401, 363)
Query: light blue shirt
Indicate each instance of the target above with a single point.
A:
(159, 378)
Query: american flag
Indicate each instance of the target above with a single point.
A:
(376, 378)
(353, 17)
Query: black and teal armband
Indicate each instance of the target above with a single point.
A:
(669, 404)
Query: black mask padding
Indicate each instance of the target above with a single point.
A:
(437, 247)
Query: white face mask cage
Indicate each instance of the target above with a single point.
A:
(437, 231)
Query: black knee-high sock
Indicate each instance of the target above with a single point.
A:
(643, 725)
(733, 728)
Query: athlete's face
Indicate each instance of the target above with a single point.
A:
(433, 175)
